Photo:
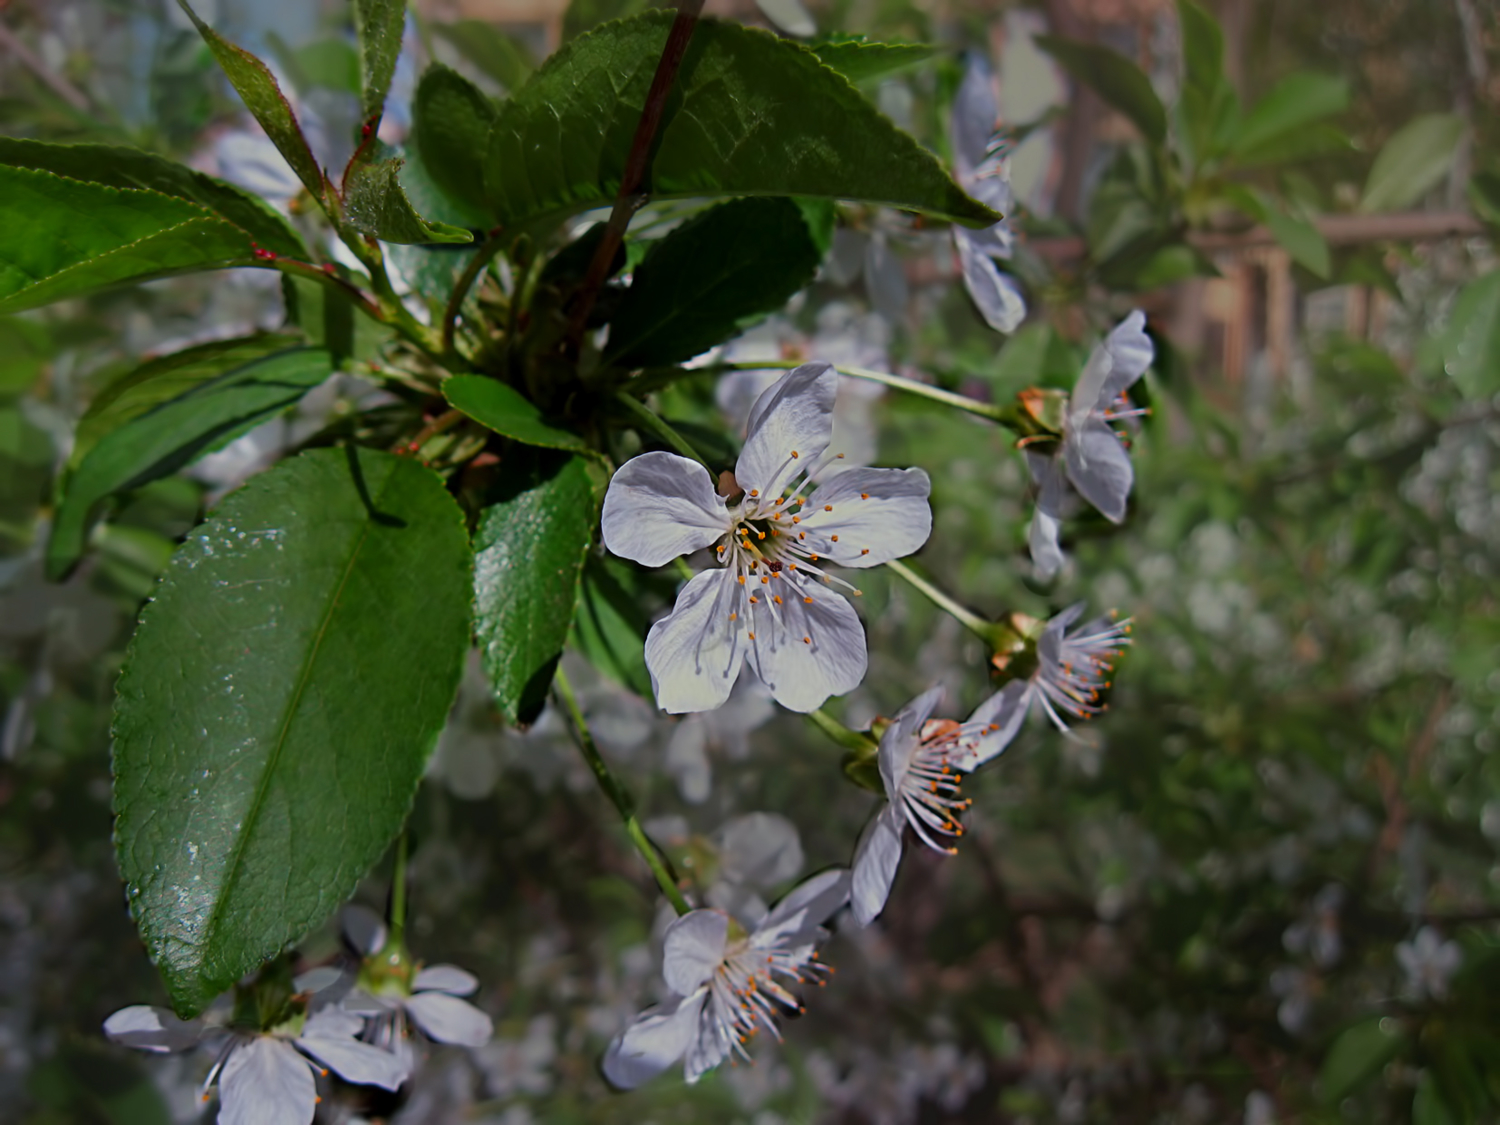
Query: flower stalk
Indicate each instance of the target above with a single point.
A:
(968, 619)
(648, 419)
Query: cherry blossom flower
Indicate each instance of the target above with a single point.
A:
(728, 984)
(1092, 456)
(770, 602)
(917, 765)
(1429, 963)
(266, 1078)
(1072, 669)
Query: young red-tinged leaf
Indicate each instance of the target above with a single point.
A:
(278, 706)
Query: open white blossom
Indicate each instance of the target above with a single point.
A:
(917, 766)
(728, 984)
(266, 1078)
(1429, 963)
(770, 602)
(1092, 456)
(1072, 669)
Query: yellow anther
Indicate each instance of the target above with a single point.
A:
(754, 600)
(750, 635)
(742, 580)
(801, 535)
(814, 557)
(776, 598)
(760, 534)
(764, 579)
(835, 538)
(734, 617)
(796, 519)
(794, 453)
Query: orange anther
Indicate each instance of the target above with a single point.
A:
(808, 600)
(828, 507)
(807, 640)
(864, 495)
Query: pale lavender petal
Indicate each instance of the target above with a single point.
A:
(1099, 467)
(447, 1019)
(1049, 644)
(1090, 392)
(885, 512)
(333, 1022)
(354, 1061)
(806, 651)
(875, 863)
(788, 17)
(266, 1082)
(686, 759)
(1005, 711)
(660, 506)
(693, 949)
(709, 1046)
(759, 848)
(1130, 351)
(790, 427)
(1046, 521)
(655, 1040)
(445, 978)
(694, 654)
(899, 743)
(152, 1029)
(809, 904)
(995, 294)
(975, 114)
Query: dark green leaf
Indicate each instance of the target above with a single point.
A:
(378, 25)
(503, 57)
(61, 237)
(750, 115)
(26, 346)
(257, 88)
(493, 404)
(1428, 1107)
(860, 61)
(326, 314)
(1208, 103)
(1294, 103)
(585, 15)
(375, 204)
(278, 705)
(708, 278)
(1114, 78)
(1415, 159)
(528, 550)
(1471, 341)
(1356, 1055)
(451, 120)
(117, 167)
(155, 442)
(611, 623)
(1202, 46)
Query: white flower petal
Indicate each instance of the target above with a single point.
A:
(363, 929)
(1099, 468)
(788, 16)
(794, 415)
(686, 759)
(694, 654)
(1005, 710)
(807, 905)
(808, 651)
(445, 978)
(656, 1039)
(693, 949)
(1112, 367)
(448, 1019)
(761, 849)
(266, 1082)
(995, 294)
(333, 1022)
(660, 506)
(152, 1029)
(875, 863)
(709, 1046)
(1049, 644)
(899, 743)
(354, 1061)
(1046, 521)
(975, 115)
(883, 511)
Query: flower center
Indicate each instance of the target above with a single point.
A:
(745, 995)
(930, 786)
(1085, 659)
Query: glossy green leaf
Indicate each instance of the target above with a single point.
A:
(214, 409)
(504, 410)
(503, 57)
(117, 167)
(278, 705)
(1414, 160)
(750, 115)
(1114, 78)
(528, 550)
(611, 623)
(1297, 101)
(1356, 1055)
(61, 237)
(861, 61)
(709, 278)
(585, 15)
(1471, 340)
(378, 25)
(258, 89)
(330, 63)
(451, 120)
(375, 204)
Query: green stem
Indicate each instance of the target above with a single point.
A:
(646, 417)
(461, 289)
(619, 797)
(987, 410)
(857, 740)
(398, 891)
(970, 621)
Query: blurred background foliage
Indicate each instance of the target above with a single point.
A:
(1263, 887)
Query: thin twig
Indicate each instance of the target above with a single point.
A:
(650, 420)
(627, 200)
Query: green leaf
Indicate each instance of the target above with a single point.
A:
(1208, 104)
(330, 63)
(507, 412)
(1471, 341)
(1484, 197)
(375, 204)
(528, 551)
(611, 623)
(1202, 46)
(1356, 1055)
(503, 57)
(1114, 78)
(1428, 1107)
(257, 88)
(61, 237)
(1294, 103)
(861, 61)
(213, 410)
(710, 277)
(26, 346)
(451, 120)
(750, 115)
(1299, 238)
(378, 25)
(585, 15)
(117, 167)
(278, 705)
(1415, 159)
